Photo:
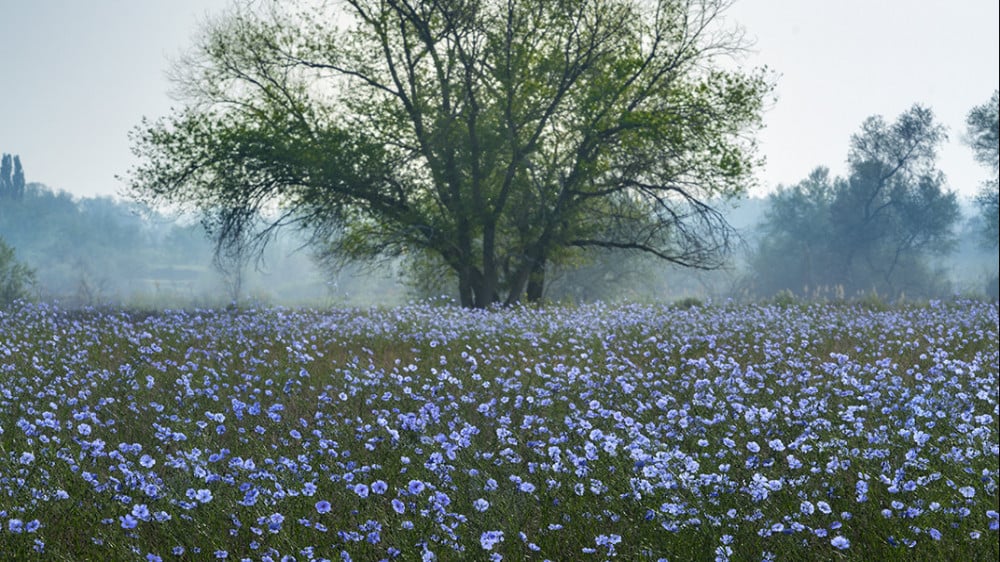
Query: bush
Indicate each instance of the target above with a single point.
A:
(16, 279)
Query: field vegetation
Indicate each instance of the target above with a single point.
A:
(774, 432)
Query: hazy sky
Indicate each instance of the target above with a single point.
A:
(77, 75)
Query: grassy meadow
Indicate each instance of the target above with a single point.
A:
(750, 432)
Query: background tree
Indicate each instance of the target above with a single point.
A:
(495, 137)
(795, 247)
(872, 230)
(983, 135)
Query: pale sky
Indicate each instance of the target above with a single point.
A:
(77, 75)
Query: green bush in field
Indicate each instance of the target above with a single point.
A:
(16, 279)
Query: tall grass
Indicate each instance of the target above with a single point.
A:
(636, 432)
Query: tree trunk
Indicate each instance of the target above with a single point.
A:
(527, 278)
(466, 272)
(536, 282)
(484, 295)
(489, 287)
(465, 291)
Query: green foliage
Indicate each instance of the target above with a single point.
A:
(16, 279)
(871, 231)
(688, 303)
(499, 137)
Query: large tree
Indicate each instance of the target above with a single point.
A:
(493, 137)
(870, 230)
(983, 135)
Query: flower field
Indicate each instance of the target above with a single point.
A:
(819, 432)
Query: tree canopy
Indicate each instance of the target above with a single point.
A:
(490, 138)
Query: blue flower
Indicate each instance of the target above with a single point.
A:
(840, 542)
(608, 540)
(323, 506)
(489, 539)
(140, 511)
(274, 522)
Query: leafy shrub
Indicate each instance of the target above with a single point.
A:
(16, 279)
(688, 302)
